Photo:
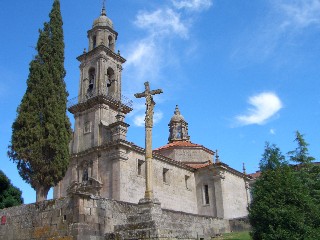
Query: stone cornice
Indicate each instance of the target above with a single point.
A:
(103, 28)
(131, 146)
(225, 167)
(200, 147)
(118, 123)
(97, 50)
(99, 99)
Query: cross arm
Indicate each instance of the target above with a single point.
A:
(154, 92)
(139, 95)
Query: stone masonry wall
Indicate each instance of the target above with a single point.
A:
(234, 196)
(200, 226)
(174, 192)
(83, 218)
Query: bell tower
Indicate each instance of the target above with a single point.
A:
(99, 107)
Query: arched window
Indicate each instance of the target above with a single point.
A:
(94, 41)
(85, 175)
(92, 76)
(111, 43)
(110, 76)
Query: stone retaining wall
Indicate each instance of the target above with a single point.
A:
(80, 217)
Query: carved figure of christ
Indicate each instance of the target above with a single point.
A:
(148, 138)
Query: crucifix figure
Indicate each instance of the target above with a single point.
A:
(148, 139)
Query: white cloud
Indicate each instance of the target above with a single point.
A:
(282, 26)
(264, 106)
(139, 119)
(193, 5)
(149, 55)
(272, 131)
(143, 59)
(162, 21)
(300, 13)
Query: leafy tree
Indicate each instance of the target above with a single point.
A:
(9, 195)
(282, 206)
(272, 158)
(41, 132)
(301, 154)
(309, 174)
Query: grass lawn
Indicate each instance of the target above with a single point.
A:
(235, 236)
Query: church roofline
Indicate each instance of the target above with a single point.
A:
(124, 143)
(230, 169)
(184, 144)
(98, 49)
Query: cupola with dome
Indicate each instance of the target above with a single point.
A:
(178, 128)
(102, 32)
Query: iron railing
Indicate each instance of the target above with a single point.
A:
(102, 92)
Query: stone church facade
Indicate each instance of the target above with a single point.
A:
(101, 196)
(188, 177)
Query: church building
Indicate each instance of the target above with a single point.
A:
(187, 177)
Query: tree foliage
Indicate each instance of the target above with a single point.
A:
(272, 158)
(301, 154)
(285, 199)
(9, 195)
(41, 131)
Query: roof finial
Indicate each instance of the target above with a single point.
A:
(177, 111)
(244, 169)
(217, 157)
(103, 10)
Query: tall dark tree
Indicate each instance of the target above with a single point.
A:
(280, 207)
(41, 131)
(272, 158)
(285, 199)
(301, 154)
(309, 174)
(9, 195)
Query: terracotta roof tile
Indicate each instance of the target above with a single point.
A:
(199, 165)
(183, 144)
(255, 175)
(178, 144)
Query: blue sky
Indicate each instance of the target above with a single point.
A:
(242, 72)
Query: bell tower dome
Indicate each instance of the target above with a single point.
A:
(178, 128)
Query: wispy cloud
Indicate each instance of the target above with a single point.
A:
(162, 22)
(148, 56)
(282, 26)
(193, 5)
(272, 131)
(263, 106)
(143, 59)
(300, 13)
(139, 119)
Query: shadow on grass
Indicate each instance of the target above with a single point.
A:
(235, 236)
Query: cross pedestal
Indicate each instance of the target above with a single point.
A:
(148, 136)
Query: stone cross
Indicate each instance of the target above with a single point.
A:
(148, 139)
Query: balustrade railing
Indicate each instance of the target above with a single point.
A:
(93, 93)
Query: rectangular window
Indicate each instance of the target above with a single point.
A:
(87, 127)
(141, 167)
(165, 175)
(186, 180)
(206, 194)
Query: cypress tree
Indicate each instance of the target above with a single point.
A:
(41, 131)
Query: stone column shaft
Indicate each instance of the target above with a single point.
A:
(149, 168)
(74, 173)
(95, 169)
